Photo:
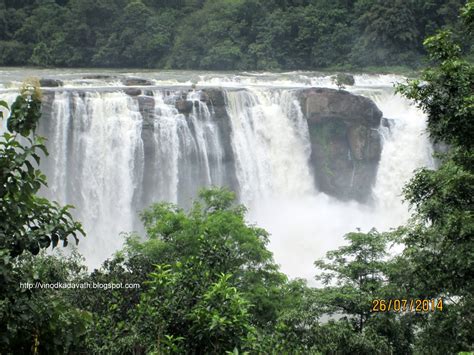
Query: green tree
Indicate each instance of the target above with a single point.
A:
(29, 222)
(357, 270)
(389, 34)
(31, 320)
(355, 276)
(439, 244)
(211, 38)
(205, 318)
(208, 257)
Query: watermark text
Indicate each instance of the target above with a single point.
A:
(78, 285)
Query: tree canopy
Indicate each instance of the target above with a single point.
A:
(221, 34)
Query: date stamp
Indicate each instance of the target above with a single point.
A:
(407, 305)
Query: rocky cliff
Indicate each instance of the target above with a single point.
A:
(345, 142)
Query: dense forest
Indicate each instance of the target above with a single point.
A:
(221, 34)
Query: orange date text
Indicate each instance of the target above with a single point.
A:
(407, 305)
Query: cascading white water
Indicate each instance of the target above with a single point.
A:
(167, 125)
(208, 135)
(405, 144)
(270, 141)
(188, 151)
(58, 181)
(96, 157)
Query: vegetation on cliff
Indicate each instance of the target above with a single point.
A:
(221, 34)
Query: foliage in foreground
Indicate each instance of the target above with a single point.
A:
(32, 319)
(439, 245)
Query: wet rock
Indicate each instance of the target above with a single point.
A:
(204, 97)
(319, 104)
(213, 96)
(50, 83)
(146, 106)
(345, 142)
(184, 106)
(387, 122)
(136, 82)
(133, 92)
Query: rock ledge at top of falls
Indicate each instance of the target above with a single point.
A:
(345, 142)
(136, 82)
(320, 104)
(50, 83)
(213, 96)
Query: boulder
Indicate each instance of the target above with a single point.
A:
(146, 106)
(387, 122)
(324, 104)
(50, 83)
(136, 82)
(345, 141)
(133, 92)
(204, 97)
(184, 106)
(213, 96)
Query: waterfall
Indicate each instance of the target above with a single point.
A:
(188, 153)
(112, 155)
(271, 145)
(167, 125)
(304, 228)
(95, 164)
(406, 147)
(58, 182)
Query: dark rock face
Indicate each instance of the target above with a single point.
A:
(133, 92)
(50, 83)
(136, 82)
(345, 141)
(215, 97)
(146, 106)
(324, 104)
(184, 106)
(215, 100)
